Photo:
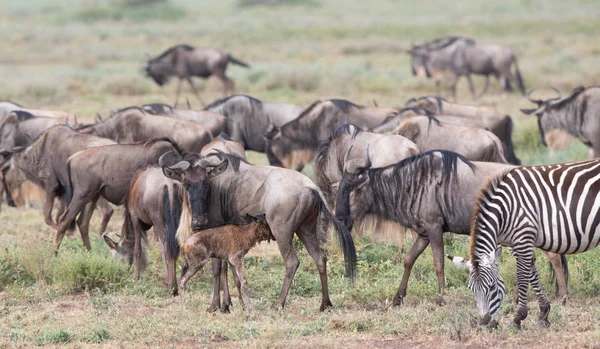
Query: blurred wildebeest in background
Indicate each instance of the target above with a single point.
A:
(185, 61)
(578, 114)
(248, 119)
(133, 124)
(213, 122)
(295, 144)
(457, 56)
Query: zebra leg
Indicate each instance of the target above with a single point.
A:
(524, 265)
(418, 247)
(542, 299)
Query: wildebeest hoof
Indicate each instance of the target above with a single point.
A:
(543, 323)
(398, 301)
(326, 305)
(277, 306)
(225, 309)
(440, 301)
(564, 300)
(212, 308)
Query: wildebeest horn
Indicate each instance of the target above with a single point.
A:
(98, 117)
(167, 158)
(539, 102)
(355, 165)
(181, 165)
(211, 161)
(556, 98)
(536, 101)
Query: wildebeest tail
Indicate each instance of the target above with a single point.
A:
(508, 145)
(69, 194)
(238, 62)
(518, 76)
(171, 217)
(344, 236)
(9, 199)
(565, 270)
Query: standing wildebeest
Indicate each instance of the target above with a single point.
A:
(578, 114)
(428, 133)
(295, 143)
(430, 193)
(7, 106)
(133, 124)
(350, 142)
(105, 172)
(291, 202)
(248, 119)
(485, 117)
(19, 127)
(44, 162)
(457, 56)
(185, 61)
(213, 122)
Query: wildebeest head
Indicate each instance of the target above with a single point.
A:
(11, 179)
(545, 124)
(354, 182)
(419, 62)
(159, 69)
(194, 173)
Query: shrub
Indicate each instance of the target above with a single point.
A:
(60, 336)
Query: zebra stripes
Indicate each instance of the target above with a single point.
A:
(555, 208)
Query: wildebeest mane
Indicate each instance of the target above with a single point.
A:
(153, 141)
(443, 42)
(224, 136)
(133, 107)
(23, 115)
(305, 111)
(156, 107)
(576, 92)
(11, 102)
(438, 99)
(349, 129)
(344, 105)
(254, 102)
(171, 49)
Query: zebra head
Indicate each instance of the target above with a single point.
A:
(487, 285)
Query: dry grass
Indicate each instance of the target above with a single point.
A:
(86, 58)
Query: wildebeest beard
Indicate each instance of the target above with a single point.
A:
(199, 194)
(156, 74)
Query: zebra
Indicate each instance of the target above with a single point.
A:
(552, 207)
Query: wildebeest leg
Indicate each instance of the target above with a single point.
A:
(485, 86)
(409, 260)
(178, 92)
(453, 83)
(75, 208)
(284, 236)
(60, 210)
(557, 266)
(107, 212)
(170, 264)
(137, 247)
(190, 269)
(84, 222)
(224, 265)
(189, 79)
(471, 86)
(436, 239)
(228, 84)
(216, 299)
(237, 263)
(308, 236)
(438, 89)
(48, 205)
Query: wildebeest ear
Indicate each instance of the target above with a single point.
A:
(529, 111)
(111, 244)
(174, 172)
(217, 170)
(98, 117)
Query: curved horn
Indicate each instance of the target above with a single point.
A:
(167, 158)
(555, 98)
(355, 165)
(211, 161)
(181, 165)
(161, 159)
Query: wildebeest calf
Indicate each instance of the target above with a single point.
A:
(230, 242)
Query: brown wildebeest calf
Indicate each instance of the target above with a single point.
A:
(185, 61)
(230, 242)
(105, 172)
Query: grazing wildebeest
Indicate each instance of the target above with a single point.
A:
(350, 142)
(295, 144)
(428, 133)
(488, 118)
(185, 62)
(430, 193)
(578, 114)
(213, 122)
(7, 106)
(290, 201)
(44, 162)
(19, 128)
(249, 119)
(458, 56)
(106, 172)
(229, 242)
(133, 124)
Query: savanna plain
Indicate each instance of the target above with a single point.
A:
(86, 57)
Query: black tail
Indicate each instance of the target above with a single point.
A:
(9, 199)
(171, 216)
(344, 236)
(565, 269)
(238, 62)
(69, 194)
(508, 145)
(518, 76)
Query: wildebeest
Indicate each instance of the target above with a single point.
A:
(350, 142)
(248, 119)
(458, 56)
(488, 118)
(229, 242)
(44, 162)
(226, 145)
(7, 106)
(428, 133)
(185, 62)
(19, 128)
(133, 124)
(213, 122)
(295, 144)
(290, 201)
(106, 172)
(431, 193)
(578, 114)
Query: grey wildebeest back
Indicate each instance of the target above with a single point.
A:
(213, 122)
(44, 162)
(7, 106)
(350, 142)
(290, 201)
(106, 172)
(295, 143)
(578, 114)
(226, 145)
(185, 62)
(19, 128)
(428, 133)
(133, 124)
(485, 117)
(249, 119)
(431, 193)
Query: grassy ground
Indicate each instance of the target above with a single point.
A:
(86, 57)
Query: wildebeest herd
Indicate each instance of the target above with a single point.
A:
(431, 166)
